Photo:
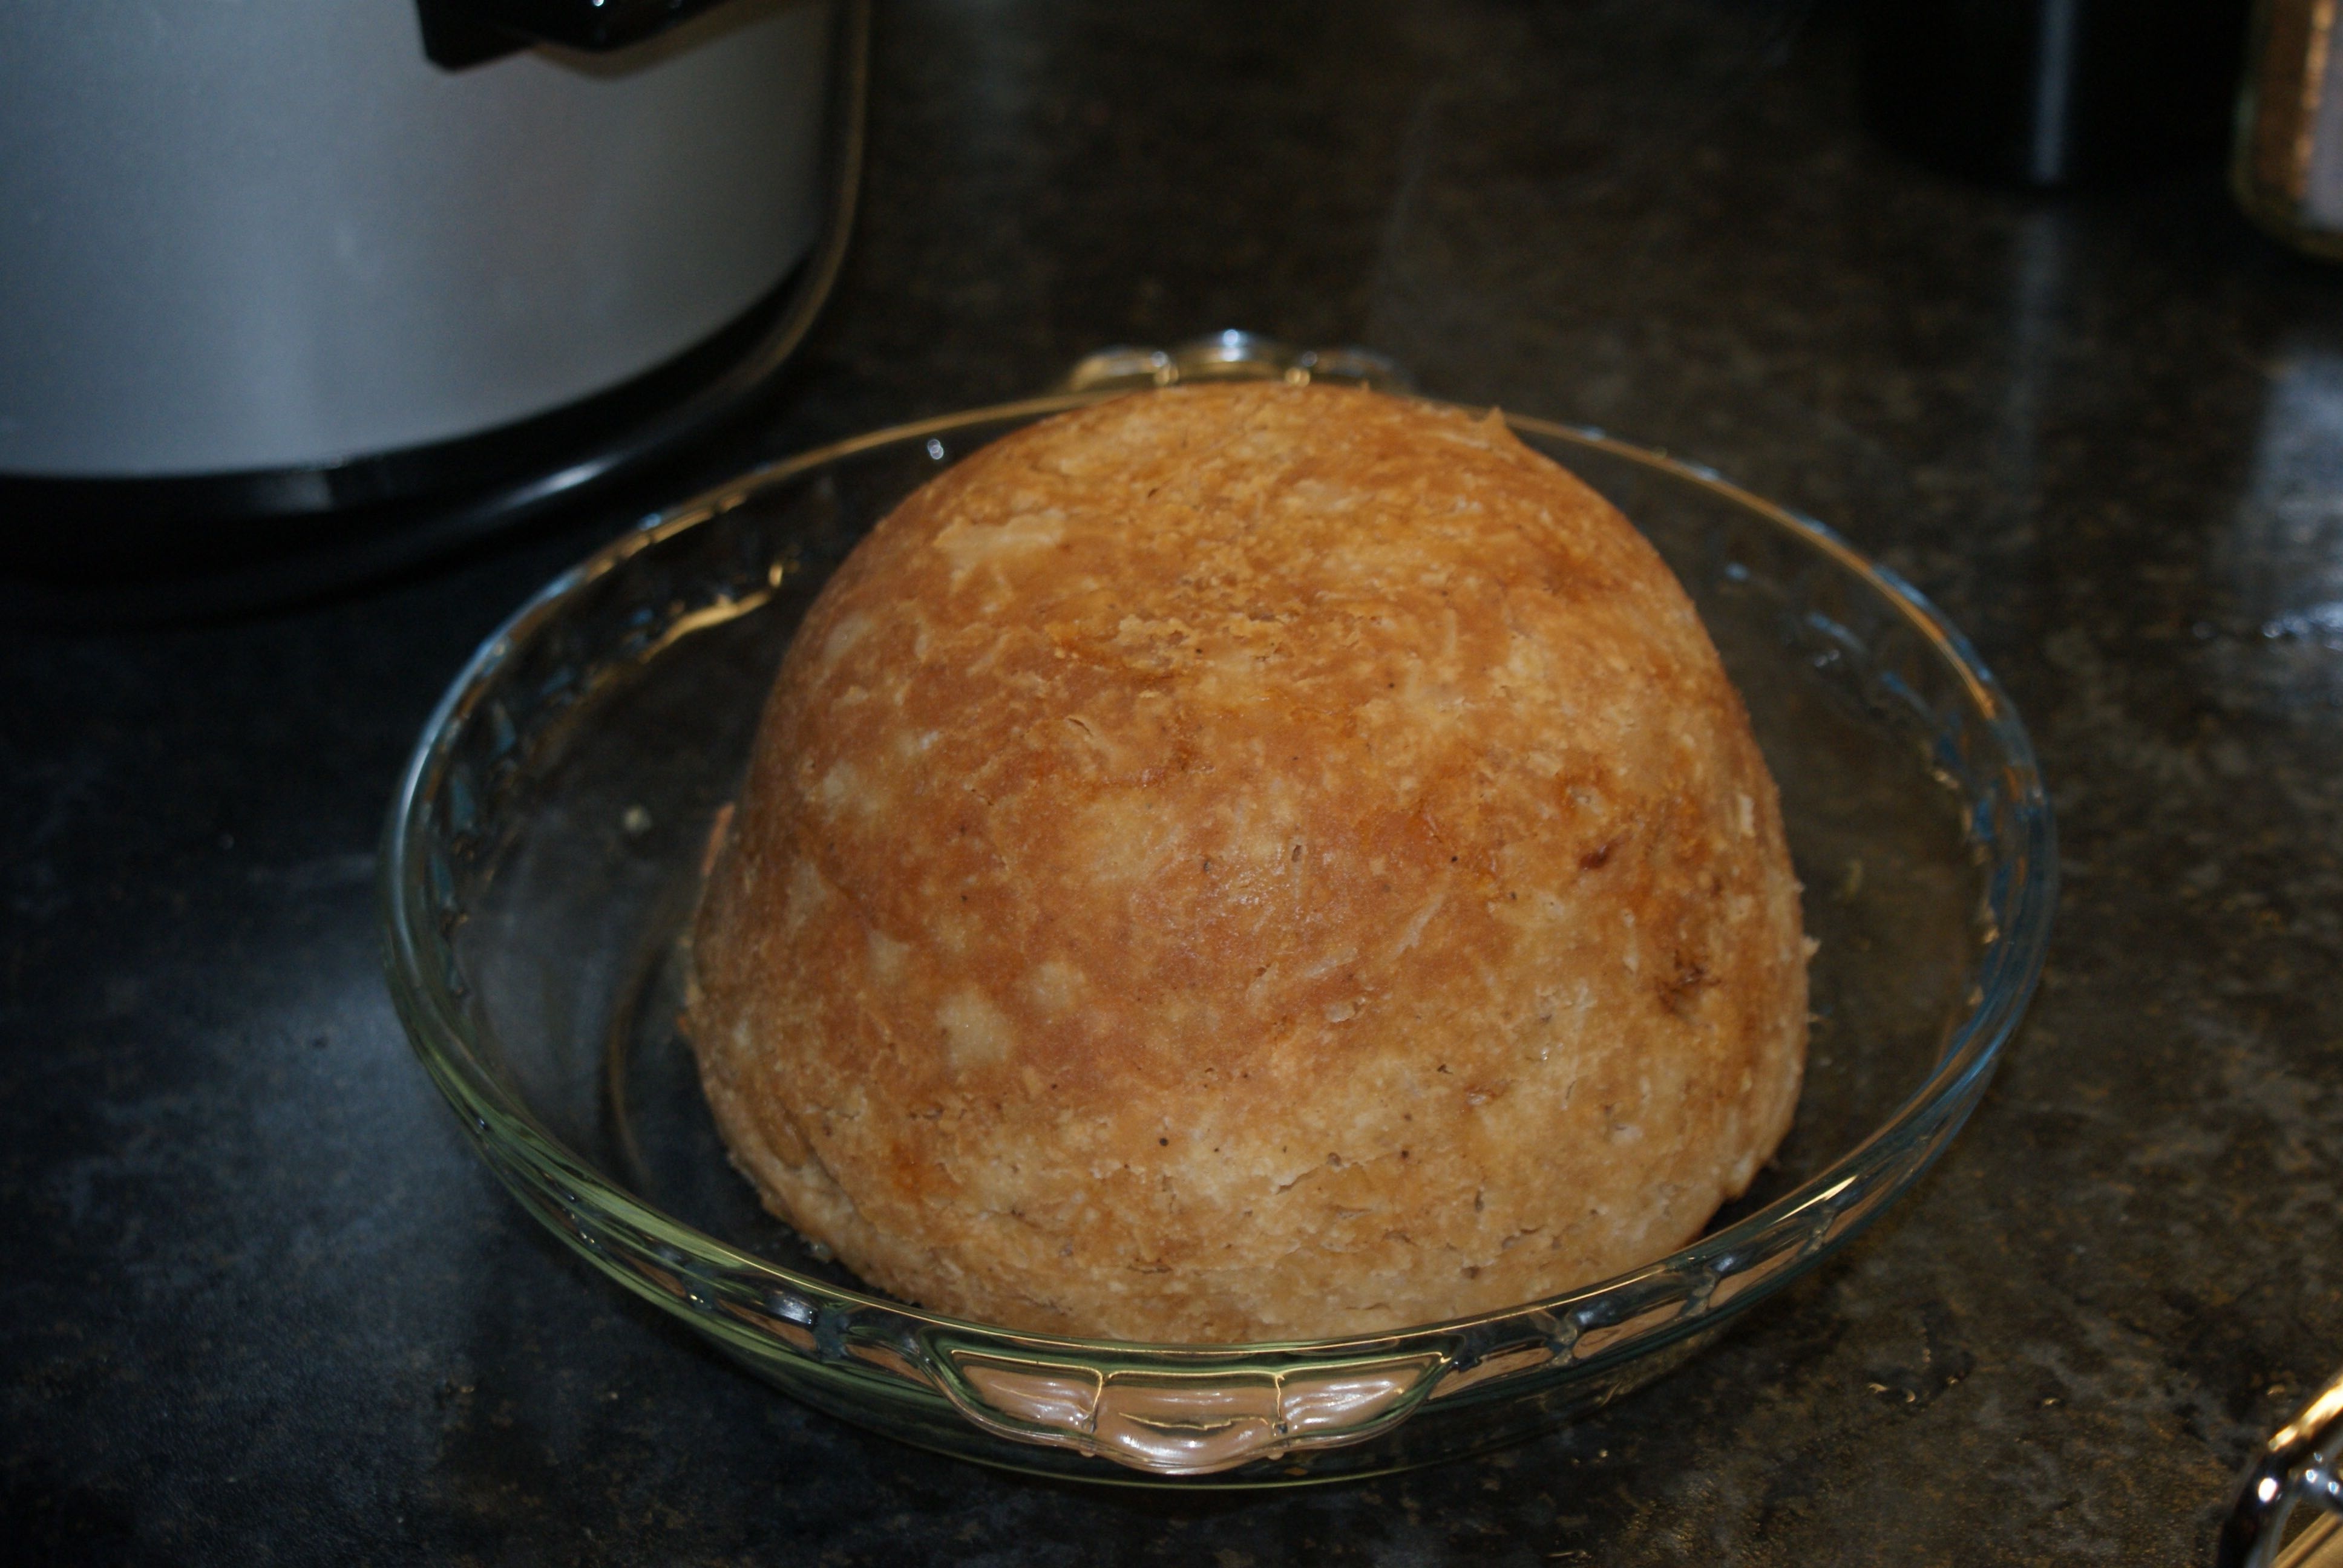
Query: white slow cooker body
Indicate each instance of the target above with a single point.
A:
(272, 233)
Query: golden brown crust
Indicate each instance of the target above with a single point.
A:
(1251, 862)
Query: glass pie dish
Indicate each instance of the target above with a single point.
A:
(544, 855)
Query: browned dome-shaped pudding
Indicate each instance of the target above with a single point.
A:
(1251, 862)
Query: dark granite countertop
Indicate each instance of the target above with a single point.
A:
(261, 1304)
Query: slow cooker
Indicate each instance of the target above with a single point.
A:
(287, 275)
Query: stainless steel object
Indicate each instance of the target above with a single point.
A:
(2301, 1462)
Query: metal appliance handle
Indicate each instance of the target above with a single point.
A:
(597, 26)
(460, 34)
(2301, 1462)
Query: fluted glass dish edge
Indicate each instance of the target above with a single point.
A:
(1242, 1415)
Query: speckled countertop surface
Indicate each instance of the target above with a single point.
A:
(258, 1302)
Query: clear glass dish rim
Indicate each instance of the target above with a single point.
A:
(2002, 982)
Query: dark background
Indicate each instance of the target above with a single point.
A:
(258, 1302)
